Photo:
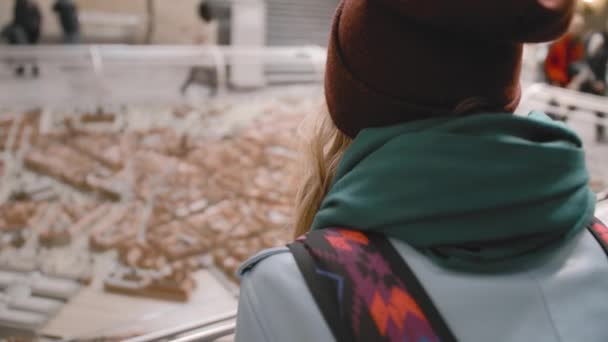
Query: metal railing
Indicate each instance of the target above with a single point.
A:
(101, 75)
(210, 329)
(210, 334)
(178, 55)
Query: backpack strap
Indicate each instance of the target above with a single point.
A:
(600, 231)
(365, 290)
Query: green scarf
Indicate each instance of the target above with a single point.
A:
(481, 188)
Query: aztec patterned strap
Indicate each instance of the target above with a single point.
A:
(365, 290)
(600, 231)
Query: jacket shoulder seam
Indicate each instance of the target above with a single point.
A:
(256, 259)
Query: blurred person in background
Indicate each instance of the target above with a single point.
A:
(565, 61)
(566, 54)
(428, 211)
(24, 29)
(67, 13)
(207, 35)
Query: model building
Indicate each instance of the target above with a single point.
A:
(161, 199)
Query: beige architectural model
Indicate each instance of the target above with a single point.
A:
(136, 201)
(164, 202)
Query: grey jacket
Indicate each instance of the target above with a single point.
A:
(563, 297)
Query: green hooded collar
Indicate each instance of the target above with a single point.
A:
(482, 188)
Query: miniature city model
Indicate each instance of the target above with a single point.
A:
(166, 200)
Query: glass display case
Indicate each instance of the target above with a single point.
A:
(135, 180)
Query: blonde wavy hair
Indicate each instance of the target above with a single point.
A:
(321, 150)
(322, 147)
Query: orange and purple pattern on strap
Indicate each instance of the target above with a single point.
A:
(600, 230)
(369, 292)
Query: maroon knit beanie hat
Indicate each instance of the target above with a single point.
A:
(392, 61)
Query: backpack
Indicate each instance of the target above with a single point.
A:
(367, 292)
